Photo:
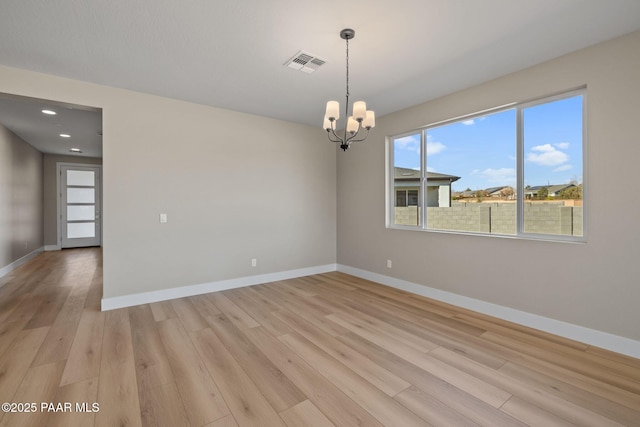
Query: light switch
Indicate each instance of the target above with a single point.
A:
(163, 218)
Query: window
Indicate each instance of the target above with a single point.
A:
(406, 198)
(552, 142)
(516, 171)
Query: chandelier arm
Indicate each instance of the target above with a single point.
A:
(361, 139)
(353, 135)
(334, 140)
(337, 138)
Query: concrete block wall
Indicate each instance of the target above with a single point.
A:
(578, 221)
(407, 215)
(552, 218)
(498, 218)
(503, 218)
(474, 217)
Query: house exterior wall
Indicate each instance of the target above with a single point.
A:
(438, 194)
(433, 195)
(444, 196)
(592, 284)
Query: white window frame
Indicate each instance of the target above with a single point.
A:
(519, 107)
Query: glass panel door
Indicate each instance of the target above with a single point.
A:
(80, 206)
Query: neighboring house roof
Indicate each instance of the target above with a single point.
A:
(552, 189)
(493, 190)
(405, 174)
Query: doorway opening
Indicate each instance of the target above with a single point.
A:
(79, 205)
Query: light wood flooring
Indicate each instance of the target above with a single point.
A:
(323, 350)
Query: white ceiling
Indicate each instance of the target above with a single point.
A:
(230, 53)
(24, 117)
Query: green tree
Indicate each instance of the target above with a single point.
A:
(480, 194)
(572, 193)
(507, 192)
(543, 193)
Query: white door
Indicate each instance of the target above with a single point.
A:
(80, 221)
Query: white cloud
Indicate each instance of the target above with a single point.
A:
(562, 145)
(475, 120)
(435, 147)
(543, 148)
(409, 143)
(563, 168)
(547, 155)
(412, 144)
(504, 176)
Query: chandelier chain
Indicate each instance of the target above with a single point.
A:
(347, 103)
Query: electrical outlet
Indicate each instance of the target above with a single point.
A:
(389, 263)
(254, 262)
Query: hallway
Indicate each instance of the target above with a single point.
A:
(49, 307)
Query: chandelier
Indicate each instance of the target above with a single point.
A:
(360, 119)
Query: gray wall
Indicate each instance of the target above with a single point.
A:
(234, 186)
(594, 284)
(20, 198)
(50, 192)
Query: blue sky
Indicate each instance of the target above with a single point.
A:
(482, 151)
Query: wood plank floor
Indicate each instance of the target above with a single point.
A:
(323, 350)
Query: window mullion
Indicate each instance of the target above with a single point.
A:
(423, 179)
(519, 171)
(391, 192)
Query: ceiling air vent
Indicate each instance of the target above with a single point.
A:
(305, 62)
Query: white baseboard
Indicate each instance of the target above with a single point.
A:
(17, 263)
(578, 333)
(204, 288)
(52, 247)
(604, 340)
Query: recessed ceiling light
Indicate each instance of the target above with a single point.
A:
(76, 150)
(49, 112)
(65, 135)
